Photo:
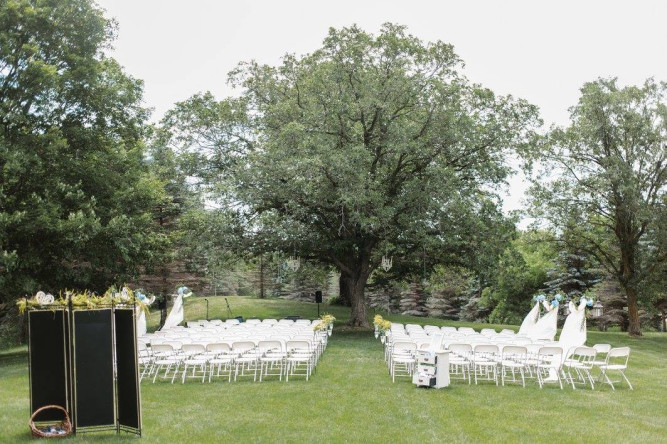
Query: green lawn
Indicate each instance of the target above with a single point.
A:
(351, 398)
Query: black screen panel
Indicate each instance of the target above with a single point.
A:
(48, 362)
(127, 373)
(93, 369)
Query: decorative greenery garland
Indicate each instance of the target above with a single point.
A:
(87, 299)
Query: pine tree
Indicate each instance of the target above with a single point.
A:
(572, 275)
(413, 301)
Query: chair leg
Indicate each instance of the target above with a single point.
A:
(604, 373)
(626, 379)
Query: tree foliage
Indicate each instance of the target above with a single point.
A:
(606, 193)
(369, 145)
(75, 192)
(519, 274)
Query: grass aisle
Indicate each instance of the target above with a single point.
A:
(351, 398)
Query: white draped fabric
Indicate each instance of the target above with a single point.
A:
(574, 329)
(530, 320)
(141, 322)
(141, 316)
(175, 316)
(546, 327)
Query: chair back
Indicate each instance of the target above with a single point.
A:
(242, 346)
(515, 350)
(602, 348)
(459, 349)
(404, 346)
(467, 331)
(162, 348)
(552, 355)
(488, 332)
(618, 356)
(486, 348)
(584, 356)
(298, 345)
(270, 345)
(218, 347)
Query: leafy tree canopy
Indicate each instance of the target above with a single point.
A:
(605, 187)
(372, 144)
(75, 192)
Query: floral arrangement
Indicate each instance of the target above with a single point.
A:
(87, 299)
(326, 322)
(381, 325)
(184, 291)
(549, 304)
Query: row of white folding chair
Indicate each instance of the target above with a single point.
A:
(489, 360)
(230, 338)
(402, 358)
(234, 331)
(447, 328)
(548, 362)
(291, 356)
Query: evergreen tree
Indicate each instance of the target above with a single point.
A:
(572, 275)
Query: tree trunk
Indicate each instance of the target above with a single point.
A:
(261, 277)
(344, 292)
(164, 293)
(354, 291)
(634, 327)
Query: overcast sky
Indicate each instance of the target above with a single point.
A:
(537, 50)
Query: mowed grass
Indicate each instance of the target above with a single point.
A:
(351, 398)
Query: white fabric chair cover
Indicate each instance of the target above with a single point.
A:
(545, 328)
(574, 330)
(175, 316)
(530, 320)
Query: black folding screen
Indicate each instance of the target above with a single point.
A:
(86, 362)
(129, 396)
(49, 347)
(94, 395)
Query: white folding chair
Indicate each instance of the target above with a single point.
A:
(165, 357)
(485, 359)
(194, 357)
(402, 358)
(299, 358)
(549, 363)
(245, 358)
(145, 360)
(580, 362)
(272, 357)
(617, 360)
(220, 359)
(514, 358)
(460, 359)
(601, 357)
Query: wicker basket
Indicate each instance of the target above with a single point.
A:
(65, 425)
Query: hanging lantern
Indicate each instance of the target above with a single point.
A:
(597, 310)
(387, 262)
(294, 263)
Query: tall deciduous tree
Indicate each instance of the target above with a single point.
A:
(607, 190)
(369, 145)
(75, 196)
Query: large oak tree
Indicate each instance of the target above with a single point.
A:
(372, 144)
